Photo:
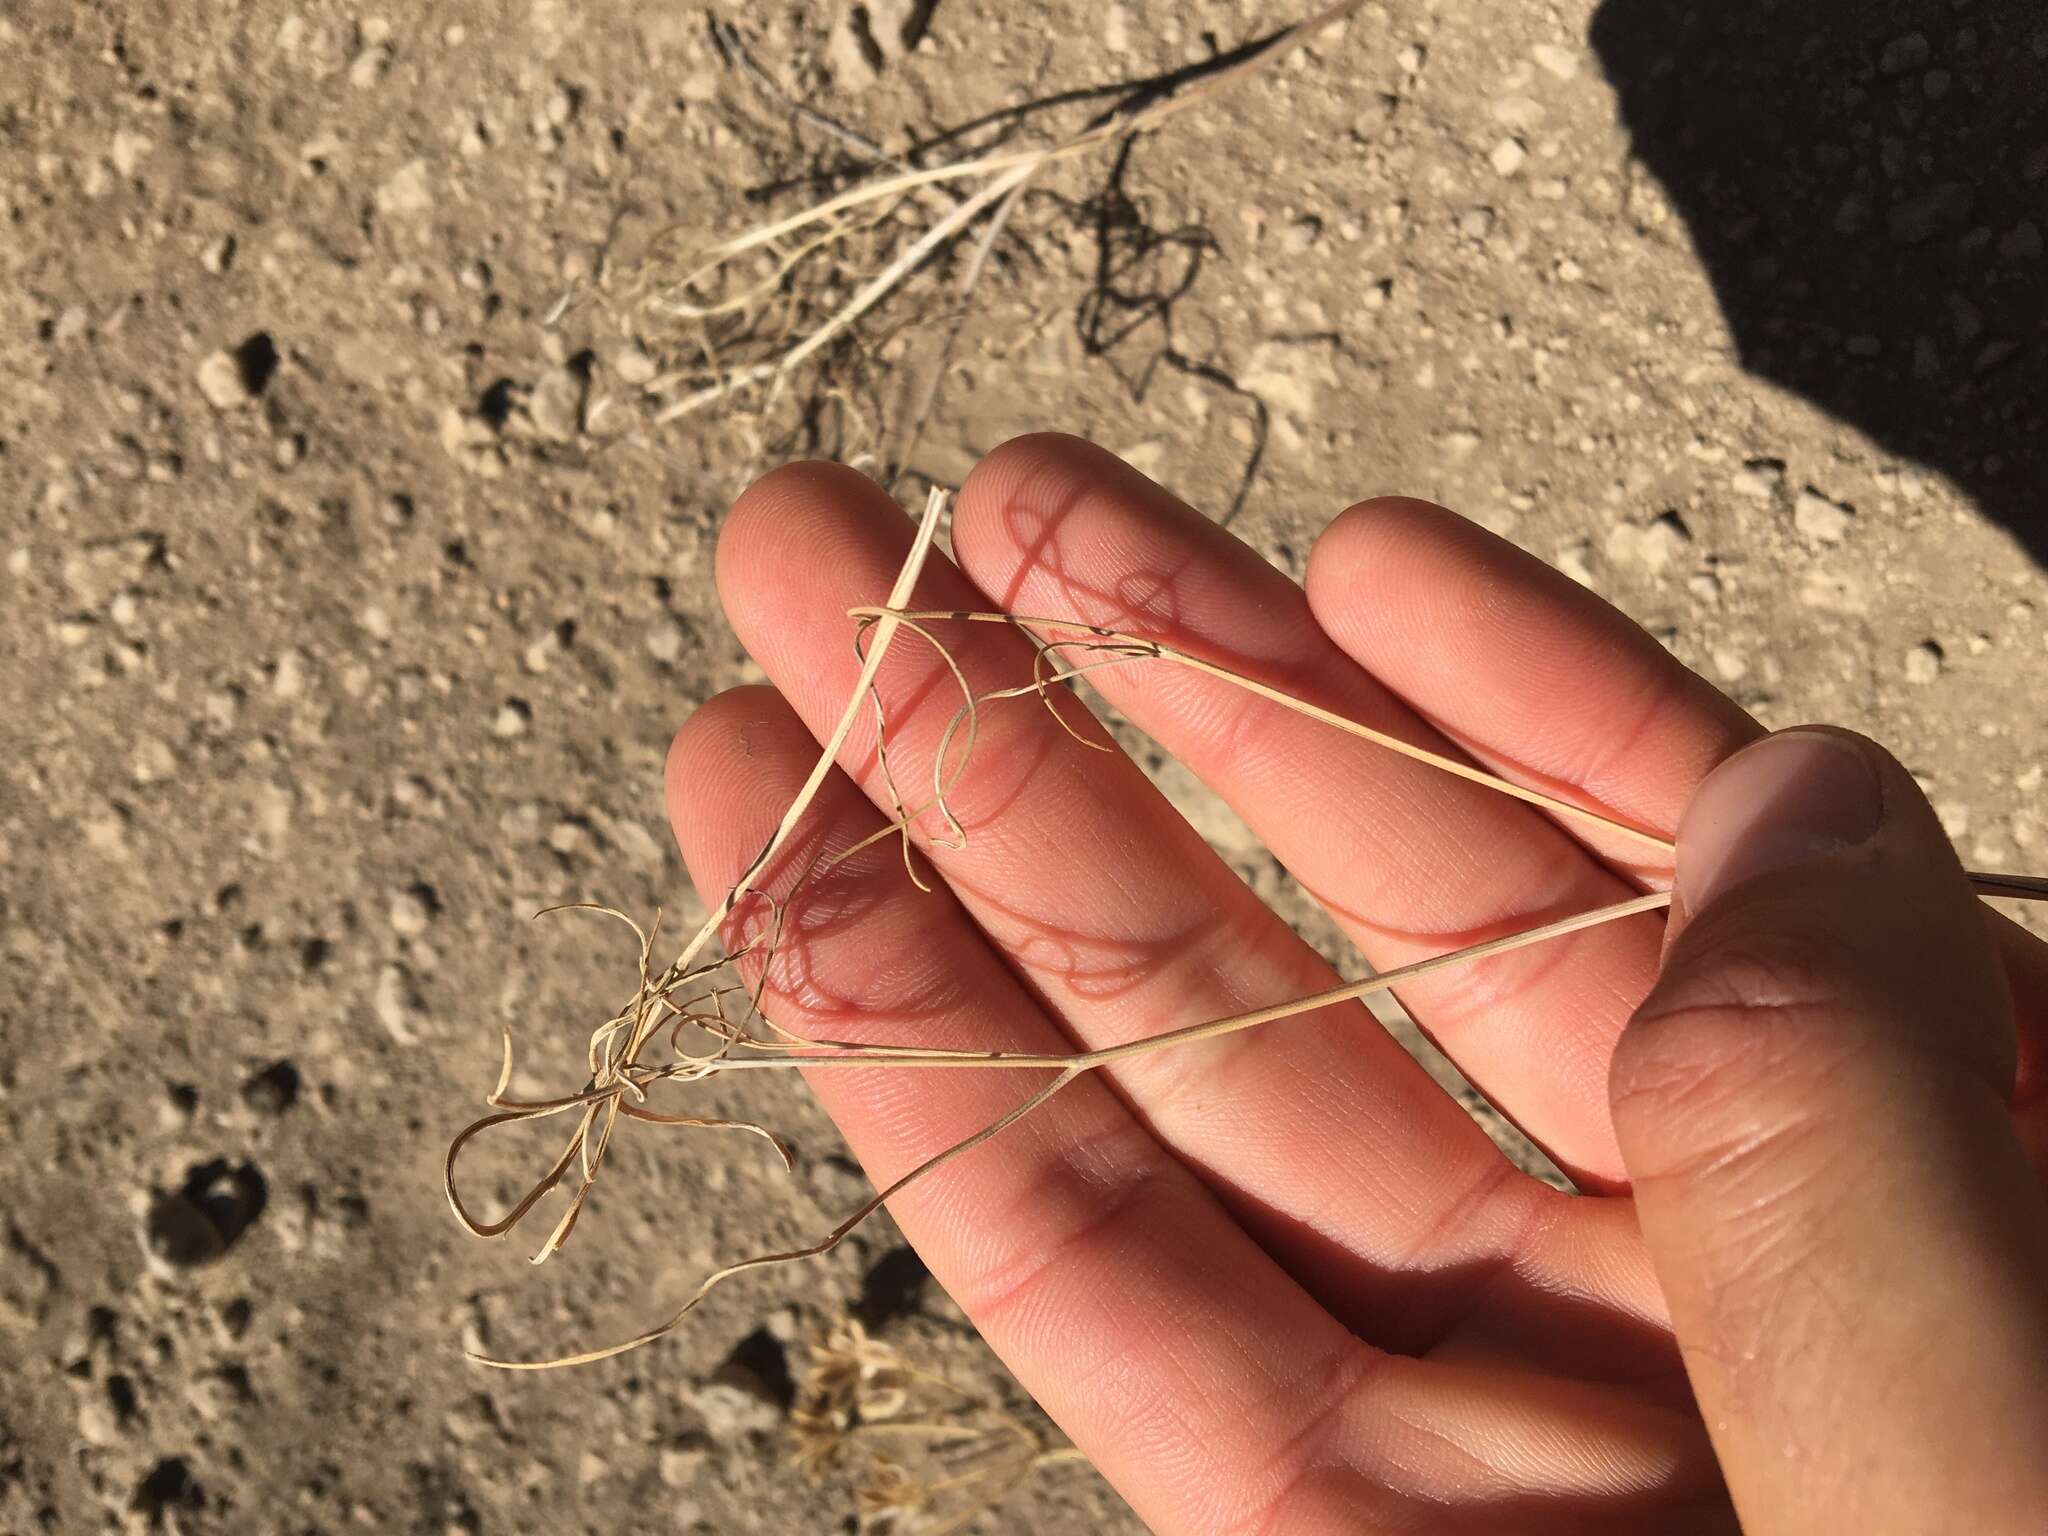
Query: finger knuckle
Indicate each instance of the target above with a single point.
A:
(1732, 1052)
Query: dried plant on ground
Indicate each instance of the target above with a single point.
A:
(745, 315)
(926, 1456)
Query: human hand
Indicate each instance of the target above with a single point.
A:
(1281, 1281)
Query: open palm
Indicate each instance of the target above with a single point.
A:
(1279, 1281)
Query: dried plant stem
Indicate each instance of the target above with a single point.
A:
(616, 1046)
(1144, 648)
(870, 294)
(967, 1450)
(1069, 1067)
(828, 756)
(911, 432)
(816, 1250)
(1087, 1061)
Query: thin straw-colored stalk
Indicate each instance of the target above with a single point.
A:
(616, 1047)
(816, 1250)
(828, 755)
(1147, 648)
(871, 293)
(1088, 1061)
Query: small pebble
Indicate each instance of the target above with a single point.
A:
(665, 641)
(407, 192)
(410, 914)
(1508, 157)
(221, 382)
(129, 150)
(98, 1424)
(396, 1004)
(1920, 219)
(1819, 519)
(1904, 53)
(556, 404)
(1761, 478)
(679, 1466)
(1518, 112)
(1923, 663)
(1965, 320)
(1574, 559)
(1116, 29)
(633, 365)
(731, 1411)
(369, 66)
(847, 55)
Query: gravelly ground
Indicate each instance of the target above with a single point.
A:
(349, 596)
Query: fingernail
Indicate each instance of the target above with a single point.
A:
(1790, 799)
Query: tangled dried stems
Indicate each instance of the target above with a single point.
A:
(930, 1455)
(751, 325)
(695, 1001)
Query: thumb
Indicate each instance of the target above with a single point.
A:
(1811, 1106)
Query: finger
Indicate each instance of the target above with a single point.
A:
(1071, 1239)
(1411, 861)
(1548, 685)
(1327, 1141)
(1189, 1368)
(1532, 673)
(1812, 1108)
(2025, 960)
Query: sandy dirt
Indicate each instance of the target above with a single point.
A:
(350, 594)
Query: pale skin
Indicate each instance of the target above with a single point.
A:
(1280, 1281)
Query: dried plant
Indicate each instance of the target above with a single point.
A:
(930, 1456)
(698, 1018)
(752, 310)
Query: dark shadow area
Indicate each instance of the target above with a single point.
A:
(893, 1287)
(256, 362)
(198, 1222)
(1126, 317)
(759, 1364)
(1867, 184)
(167, 1490)
(273, 1090)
